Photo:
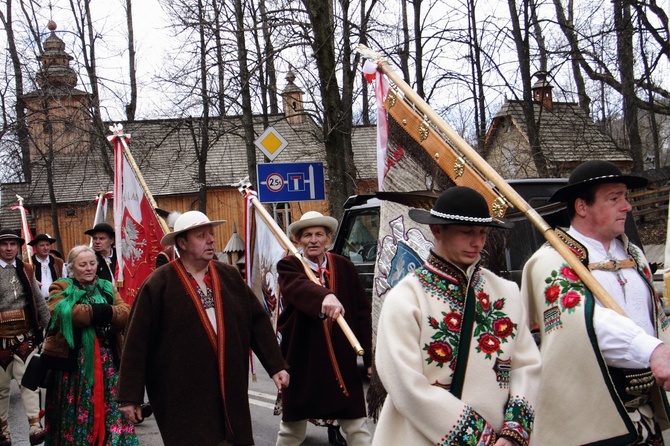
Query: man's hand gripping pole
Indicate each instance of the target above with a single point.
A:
(245, 189)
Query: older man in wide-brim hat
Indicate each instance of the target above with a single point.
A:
(454, 350)
(325, 381)
(23, 317)
(48, 268)
(604, 374)
(193, 323)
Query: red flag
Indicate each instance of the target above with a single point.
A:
(138, 232)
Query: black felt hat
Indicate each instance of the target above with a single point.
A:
(101, 227)
(10, 234)
(40, 238)
(459, 205)
(595, 172)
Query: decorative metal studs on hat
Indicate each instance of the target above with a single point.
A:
(459, 205)
(595, 172)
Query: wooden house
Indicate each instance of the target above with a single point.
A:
(568, 137)
(164, 151)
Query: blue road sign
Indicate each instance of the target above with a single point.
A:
(284, 182)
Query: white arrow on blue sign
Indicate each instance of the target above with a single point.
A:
(286, 182)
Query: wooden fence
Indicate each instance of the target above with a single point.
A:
(650, 204)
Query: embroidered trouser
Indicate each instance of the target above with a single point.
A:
(16, 353)
(293, 433)
(648, 430)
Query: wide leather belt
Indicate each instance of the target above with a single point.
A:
(12, 315)
(633, 385)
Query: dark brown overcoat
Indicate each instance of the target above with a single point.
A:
(168, 350)
(314, 391)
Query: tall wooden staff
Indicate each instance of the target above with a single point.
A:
(245, 189)
(482, 168)
(24, 228)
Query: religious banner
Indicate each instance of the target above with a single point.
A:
(137, 227)
(262, 252)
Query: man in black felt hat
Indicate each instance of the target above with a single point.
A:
(604, 375)
(454, 350)
(102, 235)
(23, 317)
(48, 268)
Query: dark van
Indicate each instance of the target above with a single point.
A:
(357, 236)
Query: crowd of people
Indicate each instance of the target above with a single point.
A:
(454, 348)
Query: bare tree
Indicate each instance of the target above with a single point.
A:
(131, 107)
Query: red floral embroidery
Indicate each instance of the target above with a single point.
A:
(647, 272)
(484, 300)
(488, 343)
(551, 293)
(571, 299)
(569, 274)
(453, 321)
(433, 322)
(499, 304)
(503, 327)
(439, 352)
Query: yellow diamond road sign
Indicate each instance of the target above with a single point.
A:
(271, 143)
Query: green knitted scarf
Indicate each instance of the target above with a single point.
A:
(61, 319)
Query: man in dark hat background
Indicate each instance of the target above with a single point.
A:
(604, 375)
(187, 342)
(102, 236)
(325, 381)
(48, 268)
(454, 350)
(23, 316)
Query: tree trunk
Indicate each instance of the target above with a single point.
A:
(247, 116)
(337, 113)
(522, 44)
(626, 62)
(131, 108)
(20, 107)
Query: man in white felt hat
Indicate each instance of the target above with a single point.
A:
(454, 350)
(326, 383)
(188, 341)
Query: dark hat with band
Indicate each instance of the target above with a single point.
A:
(42, 238)
(459, 205)
(101, 227)
(10, 234)
(595, 172)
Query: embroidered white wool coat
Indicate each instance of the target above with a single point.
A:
(578, 403)
(458, 371)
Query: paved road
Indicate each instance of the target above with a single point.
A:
(261, 399)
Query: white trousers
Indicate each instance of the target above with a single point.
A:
(293, 433)
(30, 398)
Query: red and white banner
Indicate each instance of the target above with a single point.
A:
(371, 74)
(138, 232)
(263, 251)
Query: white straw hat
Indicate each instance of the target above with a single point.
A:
(313, 218)
(187, 221)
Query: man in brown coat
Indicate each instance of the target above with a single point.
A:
(326, 383)
(188, 340)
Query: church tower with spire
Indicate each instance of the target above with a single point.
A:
(293, 103)
(57, 112)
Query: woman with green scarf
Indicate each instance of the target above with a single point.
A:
(83, 347)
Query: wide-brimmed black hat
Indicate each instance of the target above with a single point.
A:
(10, 234)
(101, 227)
(459, 205)
(41, 238)
(595, 172)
